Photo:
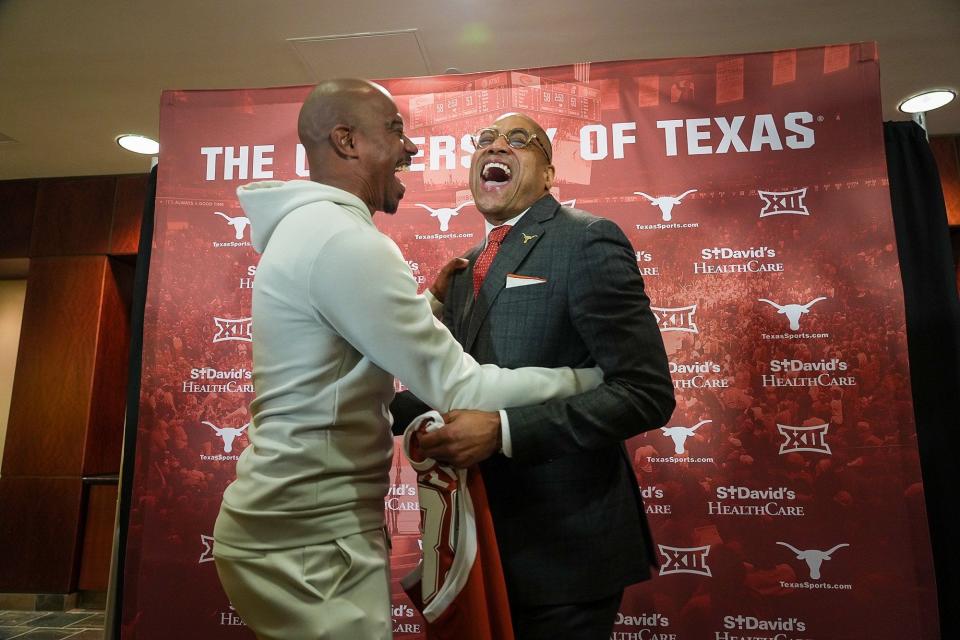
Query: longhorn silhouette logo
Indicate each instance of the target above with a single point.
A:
(813, 557)
(666, 203)
(238, 223)
(792, 311)
(227, 434)
(444, 213)
(680, 435)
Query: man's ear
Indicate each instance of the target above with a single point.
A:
(548, 174)
(341, 139)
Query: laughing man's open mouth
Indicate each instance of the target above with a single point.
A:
(495, 175)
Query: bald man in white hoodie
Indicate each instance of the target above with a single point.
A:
(300, 546)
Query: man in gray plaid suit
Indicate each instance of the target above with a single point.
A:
(554, 286)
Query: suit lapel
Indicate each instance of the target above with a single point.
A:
(461, 295)
(514, 250)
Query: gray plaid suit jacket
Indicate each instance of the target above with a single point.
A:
(566, 508)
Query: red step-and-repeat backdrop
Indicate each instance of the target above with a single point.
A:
(785, 493)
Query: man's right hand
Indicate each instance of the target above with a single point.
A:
(442, 283)
(467, 438)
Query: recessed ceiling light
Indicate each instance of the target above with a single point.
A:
(927, 101)
(138, 144)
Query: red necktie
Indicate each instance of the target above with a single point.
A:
(494, 240)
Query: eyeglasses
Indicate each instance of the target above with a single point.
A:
(518, 138)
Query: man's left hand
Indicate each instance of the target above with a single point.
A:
(467, 438)
(442, 283)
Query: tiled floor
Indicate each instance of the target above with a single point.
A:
(51, 625)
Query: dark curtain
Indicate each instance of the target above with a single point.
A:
(933, 338)
(112, 624)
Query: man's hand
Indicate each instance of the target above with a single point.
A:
(442, 283)
(467, 438)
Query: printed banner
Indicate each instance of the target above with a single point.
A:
(785, 493)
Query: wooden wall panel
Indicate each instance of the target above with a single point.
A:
(104, 436)
(127, 214)
(97, 538)
(69, 392)
(73, 216)
(18, 200)
(945, 150)
(51, 401)
(39, 524)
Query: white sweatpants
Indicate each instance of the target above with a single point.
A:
(334, 591)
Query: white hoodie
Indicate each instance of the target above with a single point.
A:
(336, 317)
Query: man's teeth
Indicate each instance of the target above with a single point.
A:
(495, 165)
(402, 166)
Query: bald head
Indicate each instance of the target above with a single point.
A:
(354, 140)
(343, 101)
(533, 126)
(520, 170)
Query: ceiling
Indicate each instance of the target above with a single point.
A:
(76, 73)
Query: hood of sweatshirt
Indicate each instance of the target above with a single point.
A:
(267, 203)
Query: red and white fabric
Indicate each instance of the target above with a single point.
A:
(458, 585)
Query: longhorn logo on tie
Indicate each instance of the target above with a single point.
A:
(792, 311)
(811, 439)
(228, 329)
(207, 554)
(680, 435)
(666, 203)
(685, 560)
(444, 214)
(783, 202)
(813, 557)
(238, 223)
(227, 434)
